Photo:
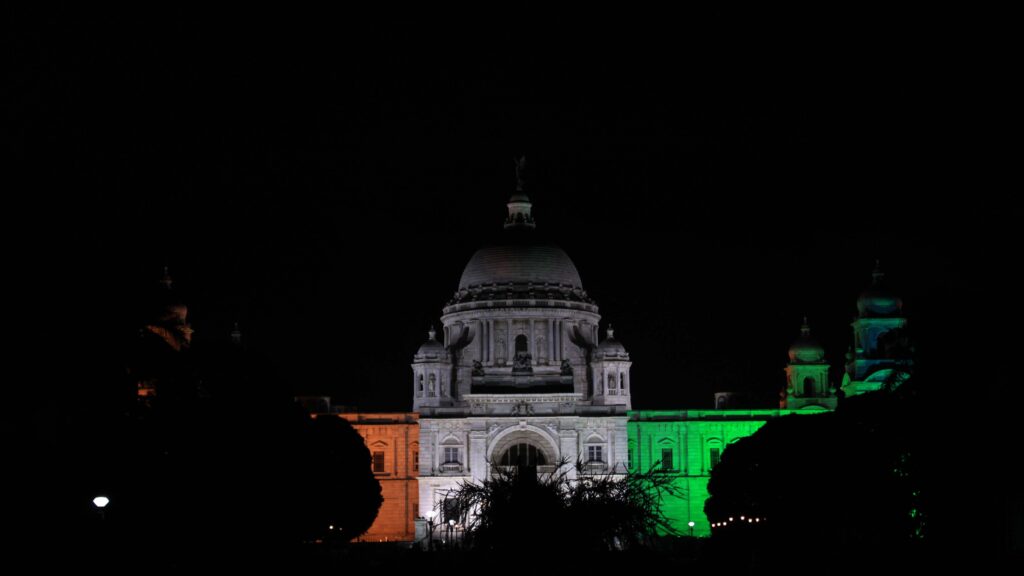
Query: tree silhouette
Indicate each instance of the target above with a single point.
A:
(517, 509)
(823, 483)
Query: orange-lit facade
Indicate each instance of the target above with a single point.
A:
(393, 441)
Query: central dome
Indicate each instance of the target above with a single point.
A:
(520, 267)
(520, 263)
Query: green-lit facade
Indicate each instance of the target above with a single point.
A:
(686, 444)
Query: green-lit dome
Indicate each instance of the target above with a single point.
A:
(806, 349)
(877, 300)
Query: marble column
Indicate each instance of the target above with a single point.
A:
(551, 342)
(533, 342)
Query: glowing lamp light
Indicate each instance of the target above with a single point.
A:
(451, 522)
(431, 514)
(743, 517)
(691, 524)
(730, 519)
(100, 501)
(331, 527)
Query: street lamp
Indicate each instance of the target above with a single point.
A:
(451, 533)
(690, 524)
(100, 502)
(430, 528)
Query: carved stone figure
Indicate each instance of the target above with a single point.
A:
(566, 367)
(522, 362)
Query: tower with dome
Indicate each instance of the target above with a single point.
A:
(517, 375)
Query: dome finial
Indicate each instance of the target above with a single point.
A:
(432, 334)
(805, 330)
(236, 335)
(519, 206)
(166, 280)
(521, 174)
(610, 332)
(877, 274)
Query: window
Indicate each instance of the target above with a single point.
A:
(622, 383)
(666, 459)
(378, 462)
(521, 344)
(612, 388)
(594, 454)
(808, 386)
(716, 455)
(450, 510)
(629, 457)
(451, 455)
(415, 461)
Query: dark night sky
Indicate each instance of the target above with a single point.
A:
(326, 187)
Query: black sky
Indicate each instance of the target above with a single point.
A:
(326, 187)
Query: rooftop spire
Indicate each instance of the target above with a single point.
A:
(521, 174)
(877, 274)
(610, 332)
(805, 330)
(166, 280)
(519, 205)
(432, 334)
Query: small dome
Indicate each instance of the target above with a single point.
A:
(806, 349)
(431, 348)
(877, 300)
(610, 347)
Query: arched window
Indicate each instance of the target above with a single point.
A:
(714, 456)
(808, 386)
(521, 344)
(612, 388)
(622, 382)
(523, 455)
(714, 453)
(432, 386)
(419, 389)
(451, 455)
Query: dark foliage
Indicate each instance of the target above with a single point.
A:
(549, 512)
(221, 467)
(847, 480)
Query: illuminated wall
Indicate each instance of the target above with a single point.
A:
(686, 444)
(393, 441)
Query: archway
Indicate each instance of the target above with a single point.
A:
(521, 344)
(526, 448)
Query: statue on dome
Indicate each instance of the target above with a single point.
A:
(521, 173)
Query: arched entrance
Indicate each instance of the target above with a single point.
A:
(523, 455)
(523, 451)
